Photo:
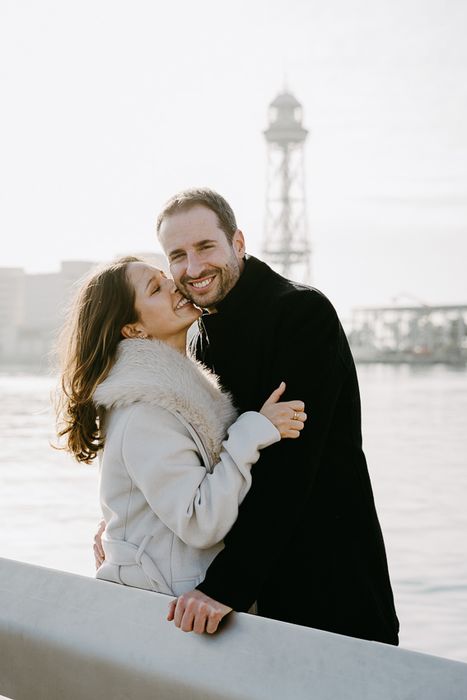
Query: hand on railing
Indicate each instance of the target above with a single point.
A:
(196, 612)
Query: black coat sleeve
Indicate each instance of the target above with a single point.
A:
(308, 353)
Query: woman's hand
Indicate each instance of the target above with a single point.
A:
(288, 416)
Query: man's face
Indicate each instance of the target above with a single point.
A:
(203, 264)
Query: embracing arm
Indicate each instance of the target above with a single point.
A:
(198, 506)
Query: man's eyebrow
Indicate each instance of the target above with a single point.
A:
(198, 244)
(204, 241)
(175, 252)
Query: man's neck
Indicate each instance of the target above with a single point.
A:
(213, 309)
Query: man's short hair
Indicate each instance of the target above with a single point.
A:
(201, 196)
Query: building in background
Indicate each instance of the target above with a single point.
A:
(33, 308)
(11, 308)
(414, 334)
(286, 244)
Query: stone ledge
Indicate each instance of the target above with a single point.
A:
(68, 637)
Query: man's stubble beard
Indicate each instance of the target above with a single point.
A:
(225, 280)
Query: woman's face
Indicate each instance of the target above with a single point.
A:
(163, 312)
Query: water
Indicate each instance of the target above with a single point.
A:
(416, 443)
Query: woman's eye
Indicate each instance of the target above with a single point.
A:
(156, 289)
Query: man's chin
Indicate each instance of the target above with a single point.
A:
(204, 301)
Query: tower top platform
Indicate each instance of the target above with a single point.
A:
(285, 99)
(285, 121)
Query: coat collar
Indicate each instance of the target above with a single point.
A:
(247, 287)
(151, 371)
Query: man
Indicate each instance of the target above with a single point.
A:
(307, 545)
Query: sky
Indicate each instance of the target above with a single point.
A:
(109, 107)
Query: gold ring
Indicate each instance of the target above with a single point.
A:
(295, 415)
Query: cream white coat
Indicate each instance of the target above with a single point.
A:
(175, 466)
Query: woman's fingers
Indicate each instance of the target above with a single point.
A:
(297, 425)
(292, 434)
(294, 421)
(299, 417)
(276, 394)
(295, 405)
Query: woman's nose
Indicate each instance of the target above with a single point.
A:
(171, 286)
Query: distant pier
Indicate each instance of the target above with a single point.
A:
(415, 334)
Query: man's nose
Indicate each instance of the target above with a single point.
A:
(194, 265)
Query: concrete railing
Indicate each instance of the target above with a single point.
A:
(68, 637)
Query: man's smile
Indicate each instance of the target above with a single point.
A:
(202, 283)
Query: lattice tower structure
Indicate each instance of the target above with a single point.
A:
(286, 243)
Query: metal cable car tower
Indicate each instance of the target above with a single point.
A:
(286, 245)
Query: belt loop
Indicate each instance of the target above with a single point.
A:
(138, 559)
(142, 548)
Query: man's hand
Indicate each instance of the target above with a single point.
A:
(99, 554)
(197, 612)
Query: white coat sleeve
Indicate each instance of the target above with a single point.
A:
(162, 459)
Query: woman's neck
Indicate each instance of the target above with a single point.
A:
(178, 342)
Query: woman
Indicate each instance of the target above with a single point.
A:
(175, 460)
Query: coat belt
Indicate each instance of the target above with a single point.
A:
(122, 553)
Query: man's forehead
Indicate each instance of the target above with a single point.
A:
(189, 227)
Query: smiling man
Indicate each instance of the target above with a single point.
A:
(307, 545)
(205, 267)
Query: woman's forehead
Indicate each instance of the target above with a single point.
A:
(141, 273)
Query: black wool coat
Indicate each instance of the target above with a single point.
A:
(307, 544)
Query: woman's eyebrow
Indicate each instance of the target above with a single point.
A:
(151, 279)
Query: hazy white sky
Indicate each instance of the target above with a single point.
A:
(109, 107)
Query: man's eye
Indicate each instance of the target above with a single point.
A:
(156, 289)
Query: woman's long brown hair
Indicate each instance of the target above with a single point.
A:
(87, 348)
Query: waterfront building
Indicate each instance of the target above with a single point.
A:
(423, 333)
(11, 307)
(33, 308)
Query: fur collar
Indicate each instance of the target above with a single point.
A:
(153, 372)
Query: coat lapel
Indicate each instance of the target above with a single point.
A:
(153, 372)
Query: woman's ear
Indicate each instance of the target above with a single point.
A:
(132, 330)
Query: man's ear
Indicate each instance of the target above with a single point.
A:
(133, 330)
(238, 243)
